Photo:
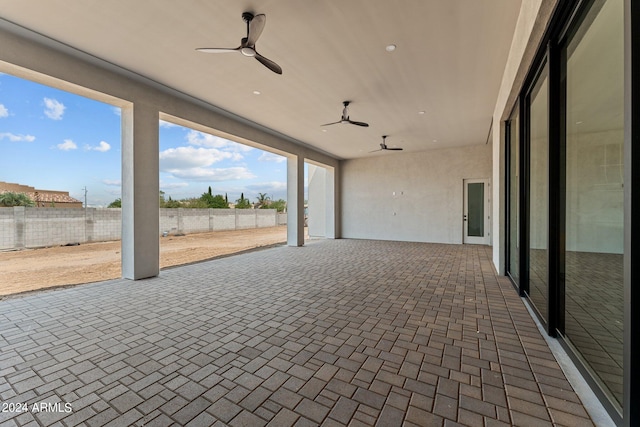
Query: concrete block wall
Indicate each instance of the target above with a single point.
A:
(168, 220)
(103, 224)
(8, 224)
(266, 218)
(223, 219)
(194, 220)
(52, 226)
(245, 218)
(282, 218)
(22, 227)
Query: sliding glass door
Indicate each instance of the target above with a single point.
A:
(565, 190)
(594, 60)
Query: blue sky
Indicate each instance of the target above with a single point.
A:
(55, 140)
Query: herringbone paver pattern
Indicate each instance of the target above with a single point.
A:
(339, 332)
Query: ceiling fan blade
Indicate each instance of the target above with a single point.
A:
(255, 29)
(217, 49)
(269, 63)
(394, 148)
(363, 124)
(328, 124)
(379, 149)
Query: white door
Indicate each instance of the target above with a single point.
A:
(476, 217)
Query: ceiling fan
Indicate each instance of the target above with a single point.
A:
(383, 146)
(255, 25)
(345, 117)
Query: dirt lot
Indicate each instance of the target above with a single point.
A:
(32, 269)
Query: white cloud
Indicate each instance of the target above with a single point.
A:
(268, 187)
(3, 111)
(190, 157)
(117, 111)
(201, 139)
(213, 174)
(67, 145)
(193, 162)
(53, 109)
(271, 157)
(173, 185)
(17, 138)
(102, 147)
(112, 182)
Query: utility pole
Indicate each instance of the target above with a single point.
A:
(85, 197)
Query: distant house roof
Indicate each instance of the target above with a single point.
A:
(45, 197)
(38, 196)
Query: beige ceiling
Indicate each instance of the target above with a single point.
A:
(448, 63)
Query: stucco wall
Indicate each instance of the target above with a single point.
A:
(410, 196)
(532, 21)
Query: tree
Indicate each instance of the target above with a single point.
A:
(214, 202)
(172, 203)
(264, 201)
(218, 202)
(243, 203)
(279, 205)
(117, 203)
(10, 199)
(194, 203)
(207, 199)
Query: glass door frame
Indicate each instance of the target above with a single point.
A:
(520, 206)
(632, 208)
(547, 63)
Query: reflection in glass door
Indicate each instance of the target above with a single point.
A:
(594, 205)
(538, 139)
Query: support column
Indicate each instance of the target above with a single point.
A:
(316, 201)
(295, 201)
(140, 192)
(330, 204)
(322, 202)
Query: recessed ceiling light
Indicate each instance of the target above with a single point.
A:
(256, 92)
(435, 140)
(324, 130)
(421, 112)
(390, 48)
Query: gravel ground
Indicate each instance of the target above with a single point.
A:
(33, 269)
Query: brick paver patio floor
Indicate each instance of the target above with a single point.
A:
(339, 332)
